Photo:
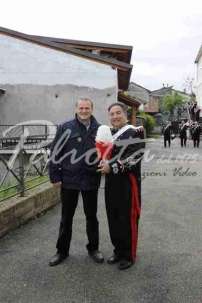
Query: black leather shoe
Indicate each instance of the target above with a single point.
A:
(97, 256)
(113, 259)
(57, 259)
(124, 264)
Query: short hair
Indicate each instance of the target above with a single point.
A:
(122, 105)
(84, 99)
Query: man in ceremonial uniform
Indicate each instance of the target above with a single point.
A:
(123, 186)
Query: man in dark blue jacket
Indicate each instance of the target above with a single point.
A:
(72, 167)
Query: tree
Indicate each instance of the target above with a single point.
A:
(171, 103)
(149, 121)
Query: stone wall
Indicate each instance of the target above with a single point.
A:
(54, 104)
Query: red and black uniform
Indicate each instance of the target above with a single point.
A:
(123, 193)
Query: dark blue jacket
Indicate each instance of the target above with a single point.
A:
(76, 140)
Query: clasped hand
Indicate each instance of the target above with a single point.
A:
(104, 167)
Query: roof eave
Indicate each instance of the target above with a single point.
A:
(149, 91)
(86, 43)
(130, 101)
(121, 66)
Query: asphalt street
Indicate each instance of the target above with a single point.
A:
(169, 262)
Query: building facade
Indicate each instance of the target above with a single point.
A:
(198, 80)
(41, 78)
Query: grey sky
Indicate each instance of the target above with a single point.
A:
(165, 35)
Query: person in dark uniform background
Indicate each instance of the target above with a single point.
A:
(196, 130)
(167, 134)
(123, 187)
(183, 133)
(73, 178)
(195, 112)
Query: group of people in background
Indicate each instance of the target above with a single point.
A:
(184, 128)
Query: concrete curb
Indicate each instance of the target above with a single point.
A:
(17, 210)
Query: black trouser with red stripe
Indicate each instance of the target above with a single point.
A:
(69, 199)
(122, 215)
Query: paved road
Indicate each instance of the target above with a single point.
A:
(169, 264)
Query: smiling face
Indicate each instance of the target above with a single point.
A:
(117, 116)
(84, 109)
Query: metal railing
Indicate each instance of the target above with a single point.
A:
(19, 176)
(35, 134)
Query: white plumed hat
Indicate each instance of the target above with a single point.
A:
(104, 134)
